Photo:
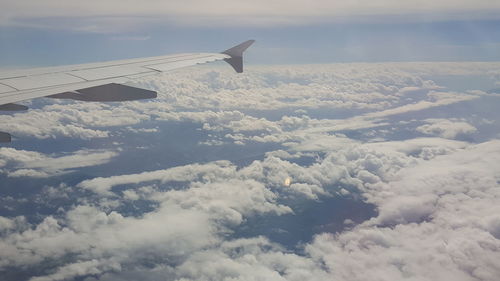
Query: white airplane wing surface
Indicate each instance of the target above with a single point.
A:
(100, 81)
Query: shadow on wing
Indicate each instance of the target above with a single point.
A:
(107, 93)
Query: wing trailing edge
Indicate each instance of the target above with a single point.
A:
(107, 93)
(13, 107)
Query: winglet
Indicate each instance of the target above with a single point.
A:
(236, 54)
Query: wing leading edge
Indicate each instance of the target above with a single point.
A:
(100, 81)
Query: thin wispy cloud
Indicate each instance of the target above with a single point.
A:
(87, 14)
(131, 38)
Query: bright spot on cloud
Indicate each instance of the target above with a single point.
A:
(288, 182)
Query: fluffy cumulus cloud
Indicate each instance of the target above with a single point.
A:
(97, 238)
(225, 96)
(441, 214)
(431, 216)
(446, 128)
(78, 120)
(385, 135)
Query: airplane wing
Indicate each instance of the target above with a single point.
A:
(100, 81)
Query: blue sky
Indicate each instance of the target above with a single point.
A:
(27, 40)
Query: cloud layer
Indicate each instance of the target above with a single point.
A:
(385, 135)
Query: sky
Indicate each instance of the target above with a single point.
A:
(340, 153)
(48, 32)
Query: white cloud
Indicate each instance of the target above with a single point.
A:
(446, 128)
(383, 87)
(441, 98)
(92, 267)
(431, 225)
(192, 172)
(377, 89)
(92, 234)
(228, 201)
(5, 224)
(435, 211)
(285, 87)
(436, 198)
(22, 163)
(70, 120)
(186, 221)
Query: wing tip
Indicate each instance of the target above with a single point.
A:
(236, 55)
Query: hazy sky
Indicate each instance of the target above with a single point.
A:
(51, 32)
(376, 171)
